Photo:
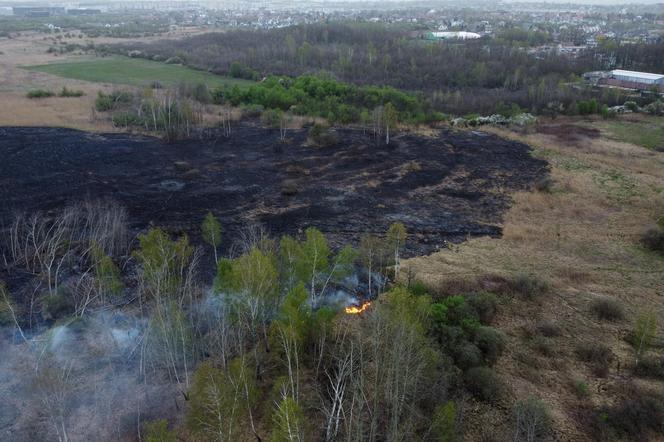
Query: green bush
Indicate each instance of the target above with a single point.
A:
(322, 136)
(528, 286)
(444, 423)
(157, 431)
(252, 110)
(467, 356)
(57, 305)
(484, 384)
(580, 388)
(607, 113)
(40, 93)
(655, 108)
(631, 105)
(65, 92)
(608, 309)
(126, 119)
(418, 288)
(486, 306)
(106, 102)
(491, 342)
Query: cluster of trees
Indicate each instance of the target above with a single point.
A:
(319, 96)
(175, 112)
(364, 54)
(265, 354)
(480, 73)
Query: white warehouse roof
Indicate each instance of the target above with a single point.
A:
(463, 35)
(635, 74)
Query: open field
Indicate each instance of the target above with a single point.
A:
(133, 71)
(582, 237)
(30, 49)
(642, 130)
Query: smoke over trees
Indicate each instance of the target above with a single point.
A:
(100, 342)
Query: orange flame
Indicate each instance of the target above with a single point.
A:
(354, 310)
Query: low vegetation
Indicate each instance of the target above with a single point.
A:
(132, 71)
(330, 99)
(40, 93)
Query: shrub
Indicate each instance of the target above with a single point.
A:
(650, 367)
(596, 354)
(70, 92)
(106, 102)
(544, 184)
(644, 332)
(201, 93)
(126, 119)
(528, 286)
(543, 346)
(252, 110)
(653, 240)
(174, 60)
(484, 383)
(444, 422)
(418, 288)
(580, 388)
(655, 108)
(607, 113)
(322, 136)
(631, 105)
(532, 421)
(40, 93)
(637, 415)
(549, 329)
(486, 306)
(157, 431)
(491, 342)
(56, 306)
(608, 309)
(468, 356)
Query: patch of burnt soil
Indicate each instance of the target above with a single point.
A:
(569, 133)
(443, 188)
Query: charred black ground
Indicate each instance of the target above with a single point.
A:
(443, 188)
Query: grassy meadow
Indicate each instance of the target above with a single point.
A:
(132, 71)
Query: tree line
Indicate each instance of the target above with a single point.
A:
(483, 72)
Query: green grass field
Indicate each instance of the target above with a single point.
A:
(649, 132)
(133, 71)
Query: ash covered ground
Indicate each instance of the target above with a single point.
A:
(443, 188)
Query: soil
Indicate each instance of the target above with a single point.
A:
(443, 188)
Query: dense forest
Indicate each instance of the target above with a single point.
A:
(463, 77)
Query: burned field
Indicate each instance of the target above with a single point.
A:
(443, 188)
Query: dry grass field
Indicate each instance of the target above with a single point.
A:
(582, 238)
(29, 49)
